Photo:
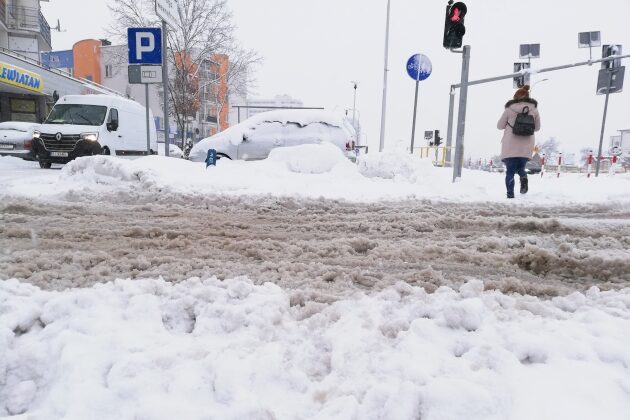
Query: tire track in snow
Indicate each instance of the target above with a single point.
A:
(321, 249)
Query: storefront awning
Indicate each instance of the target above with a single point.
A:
(18, 80)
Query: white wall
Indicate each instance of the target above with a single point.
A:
(116, 56)
(25, 46)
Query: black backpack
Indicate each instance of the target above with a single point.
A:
(524, 124)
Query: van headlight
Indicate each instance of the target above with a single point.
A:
(89, 136)
(36, 134)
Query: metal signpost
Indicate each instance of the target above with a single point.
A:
(529, 51)
(461, 116)
(610, 81)
(419, 68)
(167, 11)
(145, 59)
(589, 40)
(519, 82)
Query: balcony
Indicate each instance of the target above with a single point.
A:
(3, 12)
(27, 19)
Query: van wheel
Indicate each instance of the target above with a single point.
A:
(221, 155)
(45, 165)
(105, 151)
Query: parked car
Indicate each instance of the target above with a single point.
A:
(84, 125)
(533, 166)
(173, 150)
(16, 139)
(254, 138)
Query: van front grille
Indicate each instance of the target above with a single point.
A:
(66, 144)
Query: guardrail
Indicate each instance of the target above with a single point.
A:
(438, 153)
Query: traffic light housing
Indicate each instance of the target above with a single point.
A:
(437, 139)
(454, 29)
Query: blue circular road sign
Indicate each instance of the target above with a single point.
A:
(419, 67)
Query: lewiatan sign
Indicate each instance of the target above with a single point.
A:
(21, 78)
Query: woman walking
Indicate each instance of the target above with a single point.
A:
(517, 145)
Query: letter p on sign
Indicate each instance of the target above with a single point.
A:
(145, 45)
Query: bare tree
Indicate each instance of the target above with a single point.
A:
(550, 147)
(205, 30)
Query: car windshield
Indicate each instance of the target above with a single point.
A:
(77, 114)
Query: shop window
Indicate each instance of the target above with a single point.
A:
(23, 105)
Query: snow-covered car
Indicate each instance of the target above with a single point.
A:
(16, 139)
(256, 137)
(173, 150)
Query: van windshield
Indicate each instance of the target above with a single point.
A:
(77, 114)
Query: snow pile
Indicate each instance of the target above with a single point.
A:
(151, 349)
(396, 166)
(107, 170)
(307, 171)
(311, 158)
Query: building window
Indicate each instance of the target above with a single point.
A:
(109, 70)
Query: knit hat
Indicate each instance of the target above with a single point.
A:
(522, 92)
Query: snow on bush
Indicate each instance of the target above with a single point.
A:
(157, 350)
(310, 158)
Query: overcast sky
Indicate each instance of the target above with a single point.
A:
(314, 49)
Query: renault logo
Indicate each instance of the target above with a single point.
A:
(58, 136)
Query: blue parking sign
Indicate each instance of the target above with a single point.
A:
(145, 45)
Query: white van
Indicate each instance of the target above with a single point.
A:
(84, 125)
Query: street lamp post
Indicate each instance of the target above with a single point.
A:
(354, 106)
(382, 141)
(535, 83)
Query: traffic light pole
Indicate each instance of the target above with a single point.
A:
(449, 129)
(461, 117)
(384, 109)
(463, 86)
(167, 133)
(546, 70)
(601, 137)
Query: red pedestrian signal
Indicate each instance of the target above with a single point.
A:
(454, 29)
(456, 15)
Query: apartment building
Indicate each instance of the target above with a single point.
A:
(23, 28)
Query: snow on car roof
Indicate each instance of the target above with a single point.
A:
(18, 125)
(301, 117)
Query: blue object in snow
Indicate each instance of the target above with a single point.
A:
(211, 160)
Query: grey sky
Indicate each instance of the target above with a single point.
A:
(312, 51)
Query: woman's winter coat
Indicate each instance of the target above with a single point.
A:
(512, 145)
